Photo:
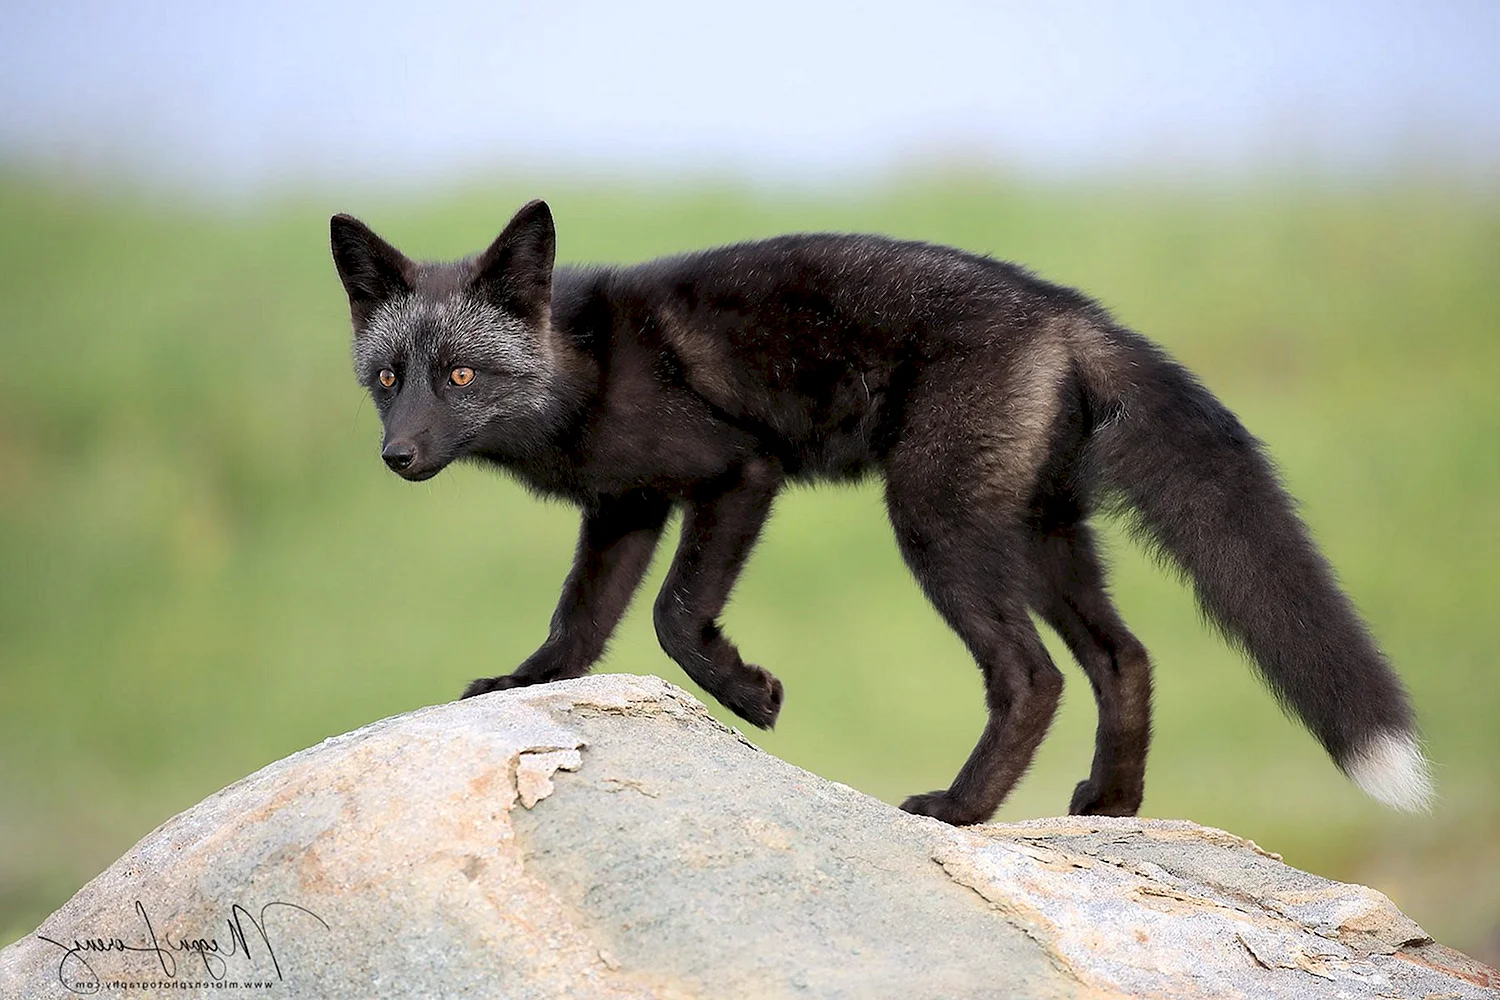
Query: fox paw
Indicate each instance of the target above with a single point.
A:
(943, 806)
(1090, 800)
(484, 685)
(755, 697)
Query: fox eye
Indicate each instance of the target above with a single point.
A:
(461, 376)
(387, 377)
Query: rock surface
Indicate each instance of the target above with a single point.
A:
(606, 837)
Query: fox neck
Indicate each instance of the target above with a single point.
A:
(574, 379)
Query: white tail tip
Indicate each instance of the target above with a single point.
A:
(1391, 770)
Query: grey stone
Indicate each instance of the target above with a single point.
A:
(606, 837)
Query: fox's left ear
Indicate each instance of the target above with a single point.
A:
(515, 273)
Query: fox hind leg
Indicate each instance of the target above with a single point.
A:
(976, 437)
(975, 576)
(1073, 599)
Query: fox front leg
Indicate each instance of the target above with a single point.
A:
(615, 545)
(719, 528)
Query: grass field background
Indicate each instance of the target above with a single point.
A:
(204, 565)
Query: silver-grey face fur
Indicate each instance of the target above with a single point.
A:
(416, 337)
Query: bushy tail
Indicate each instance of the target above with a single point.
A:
(1203, 492)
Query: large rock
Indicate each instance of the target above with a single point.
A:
(606, 837)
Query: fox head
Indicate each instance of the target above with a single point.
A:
(457, 356)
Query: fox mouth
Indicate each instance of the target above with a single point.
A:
(422, 474)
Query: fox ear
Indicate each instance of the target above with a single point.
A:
(372, 270)
(515, 273)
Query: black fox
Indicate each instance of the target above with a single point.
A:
(1001, 410)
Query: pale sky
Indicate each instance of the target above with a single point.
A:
(388, 91)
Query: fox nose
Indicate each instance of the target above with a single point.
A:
(399, 455)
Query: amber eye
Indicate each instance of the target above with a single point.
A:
(461, 376)
(387, 377)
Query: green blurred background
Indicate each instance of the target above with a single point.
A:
(207, 567)
(204, 565)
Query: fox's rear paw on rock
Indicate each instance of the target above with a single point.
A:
(1089, 800)
(755, 697)
(943, 806)
(484, 685)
